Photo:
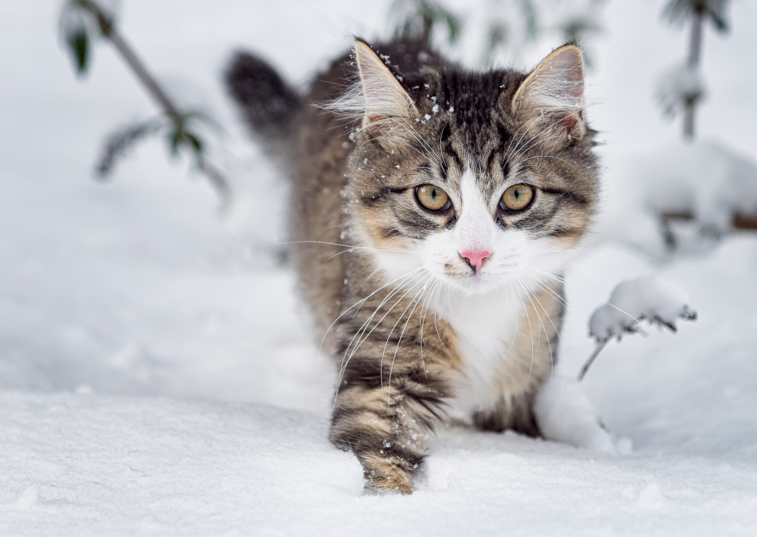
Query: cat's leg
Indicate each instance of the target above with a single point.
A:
(390, 396)
(509, 413)
(556, 407)
(387, 428)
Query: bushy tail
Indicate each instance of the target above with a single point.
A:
(268, 104)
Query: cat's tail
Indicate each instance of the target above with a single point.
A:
(268, 104)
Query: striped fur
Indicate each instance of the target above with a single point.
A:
(418, 335)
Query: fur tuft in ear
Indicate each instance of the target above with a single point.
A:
(555, 87)
(383, 95)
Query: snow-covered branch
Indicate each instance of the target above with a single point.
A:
(648, 299)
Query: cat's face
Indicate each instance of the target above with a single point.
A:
(473, 179)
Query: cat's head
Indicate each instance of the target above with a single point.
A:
(478, 179)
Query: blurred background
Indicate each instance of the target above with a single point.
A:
(143, 250)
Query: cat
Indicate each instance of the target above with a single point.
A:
(433, 211)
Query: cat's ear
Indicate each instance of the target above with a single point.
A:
(384, 97)
(555, 89)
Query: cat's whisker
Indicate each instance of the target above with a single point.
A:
(424, 312)
(557, 331)
(510, 156)
(342, 365)
(381, 364)
(411, 129)
(613, 247)
(405, 280)
(537, 142)
(530, 328)
(562, 280)
(359, 302)
(579, 172)
(351, 246)
(413, 169)
(352, 251)
(415, 300)
(528, 127)
(392, 139)
(436, 310)
(367, 324)
(556, 296)
(555, 277)
(510, 292)
(530, 143)
(397, 289)
(543, 329)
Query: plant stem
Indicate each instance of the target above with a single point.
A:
(695, 43)
(109, 31)
(591, 359)
(695, 53)
(428, 23)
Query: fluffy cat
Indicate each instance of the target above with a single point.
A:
(432, 212)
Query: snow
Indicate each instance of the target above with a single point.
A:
(705, 179)
(156, 466)
(158, 375)
(632, 301)
(565, 414)
(677, 85)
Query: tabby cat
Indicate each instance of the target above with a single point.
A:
(433, 210)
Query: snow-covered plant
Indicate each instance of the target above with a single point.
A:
(648, 299)
(516, 23)
(83, 21)
(416, 19)
(682, 88)
(679, 89)
(494, 29)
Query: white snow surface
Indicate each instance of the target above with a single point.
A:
(158, 375)
(647, 298)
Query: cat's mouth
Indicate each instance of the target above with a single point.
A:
(485, 279)
(473, 282)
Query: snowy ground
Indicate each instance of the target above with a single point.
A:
(157, 373)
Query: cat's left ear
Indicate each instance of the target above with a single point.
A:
(555, 89)
(385, 98)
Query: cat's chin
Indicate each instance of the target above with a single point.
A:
(477, 285)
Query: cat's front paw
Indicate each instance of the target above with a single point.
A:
(387, 474)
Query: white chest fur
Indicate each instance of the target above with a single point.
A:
(486, 326)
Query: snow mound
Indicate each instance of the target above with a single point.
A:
(565, 414)
(648, 298)
(702, 179)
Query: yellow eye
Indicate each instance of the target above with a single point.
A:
(517, 197)
(432, 198)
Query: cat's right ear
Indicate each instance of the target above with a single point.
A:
(385, 99)
(556, 89)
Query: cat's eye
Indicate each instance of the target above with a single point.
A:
(432, 198)
(517, 197)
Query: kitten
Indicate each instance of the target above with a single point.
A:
(433, 210)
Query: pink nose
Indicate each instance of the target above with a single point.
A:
(476, 259)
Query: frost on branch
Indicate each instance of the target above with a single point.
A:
(643, 299)
(633, 301)
(679, 87)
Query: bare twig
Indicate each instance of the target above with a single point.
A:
(591, 359)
